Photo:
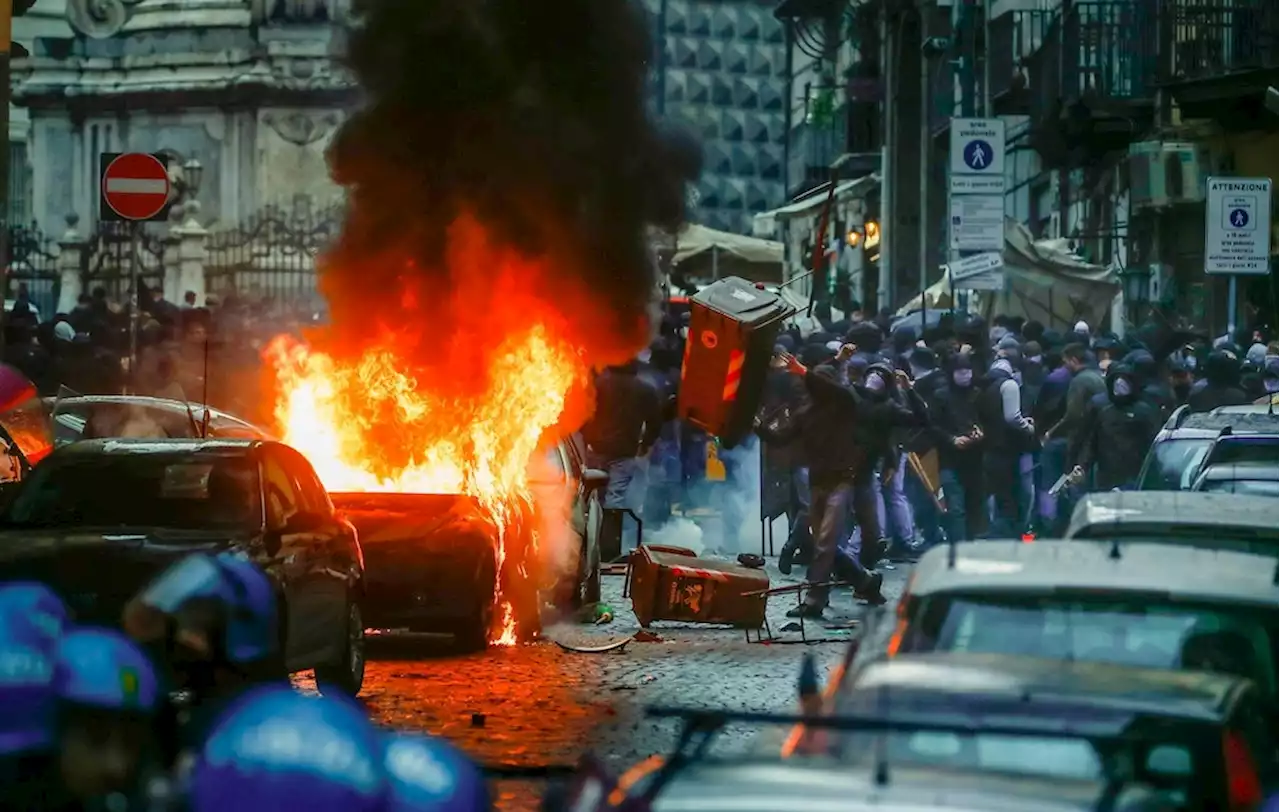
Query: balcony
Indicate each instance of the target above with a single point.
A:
(1093, 81)
(1015, 37)
(853, 129)
(1221, 58)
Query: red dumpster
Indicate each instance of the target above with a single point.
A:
(732, 328)
(672, 584)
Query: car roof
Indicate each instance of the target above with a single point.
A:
(831, 785)
(993, 685)
(147, 445)
(1186, 508)
(169, 405)
(1232, 471)
(1045, 567)
(1201, 425)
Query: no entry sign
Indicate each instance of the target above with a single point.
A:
(135, 186)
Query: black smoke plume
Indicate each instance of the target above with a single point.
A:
(528, 116)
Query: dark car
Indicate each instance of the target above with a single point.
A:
(1212, 520)
(1187, 440)
(99, 519)
(431, 559)
(1250, 479)
(1200, 738)
(1170, 606)
(87, 417)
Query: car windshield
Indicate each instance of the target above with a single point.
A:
(173, 491)
(1137, 632)
(1244, 487)
(1173, 463)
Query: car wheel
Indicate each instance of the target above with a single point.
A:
(347, 675)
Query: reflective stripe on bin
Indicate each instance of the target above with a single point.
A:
(690, 572)
(684, 365)
(733, 379)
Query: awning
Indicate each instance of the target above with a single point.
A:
(847, 190)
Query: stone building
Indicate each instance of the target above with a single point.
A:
(250, 89)
(721, 69)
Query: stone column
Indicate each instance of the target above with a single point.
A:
(186, 246)
(72, 250)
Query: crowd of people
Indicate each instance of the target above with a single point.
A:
(1020, 420)
(208, 352)
(190, 708)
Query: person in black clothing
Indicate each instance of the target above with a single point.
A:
(839, 462)
(1222, 383)
(1117, 436)
(958, 438)
(785, 397)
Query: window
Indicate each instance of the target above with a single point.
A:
(1173, 464)
(1244, 487)
(1137, 632)
(313, 496)
(170, 491)
(278, 488)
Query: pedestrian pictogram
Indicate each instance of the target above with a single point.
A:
(135, 186)
(977, 155)
(1239, 218)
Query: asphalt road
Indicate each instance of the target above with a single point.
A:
(539, 706)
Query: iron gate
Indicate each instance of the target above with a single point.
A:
(33, 268)
(107, 261)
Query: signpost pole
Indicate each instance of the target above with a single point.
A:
(1232, 303)
(135, 245)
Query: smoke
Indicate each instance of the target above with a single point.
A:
(495, 130)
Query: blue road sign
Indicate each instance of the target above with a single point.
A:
(1239, 218)
(978, 154)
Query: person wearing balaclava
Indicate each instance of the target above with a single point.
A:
(1181, 376)
(1222, 383)
(1251, 373)
(954, 424)
(1009, 436)
(1154, 389)
(930, 381)
(785, 399)
(1118, 435)
(831, 444)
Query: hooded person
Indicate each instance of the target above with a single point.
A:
(1251, 372)
(1222, 383)
(1118, 434)
(1009, 435)
(954, 423)
(1147, 372)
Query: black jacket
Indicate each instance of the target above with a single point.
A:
(954, 413)
(628, 415)
(999, 436)
(1212, 396)
(1116, 440)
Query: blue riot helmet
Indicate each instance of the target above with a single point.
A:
(108, 695)
(103, 669)
(27, 703)
(252, 627)
(427, 774)
(196, 576)
(276, 749)
(31, 608)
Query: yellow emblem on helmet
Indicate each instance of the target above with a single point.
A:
(129, 683)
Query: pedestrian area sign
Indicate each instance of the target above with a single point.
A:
(1237, 228)
(977, 156)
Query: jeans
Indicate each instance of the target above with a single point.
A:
(1004, 482)
(832, 504)
(1053, 464)
(1026, 490)
(893, 512)
(927, 519)
(800, 537)
(628, 481)
(966, 499)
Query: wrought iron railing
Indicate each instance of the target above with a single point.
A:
(1209, 39)
(1110, 50)
(1015, 37)
(815, 145)
(33, 267)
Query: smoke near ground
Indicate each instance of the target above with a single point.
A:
(527, 119)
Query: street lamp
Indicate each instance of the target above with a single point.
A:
(192, 173)
(1137, 288)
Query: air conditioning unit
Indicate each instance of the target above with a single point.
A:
(1163, 174)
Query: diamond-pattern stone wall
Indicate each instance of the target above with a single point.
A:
(722, 73)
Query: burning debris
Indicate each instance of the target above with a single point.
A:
(501, 179)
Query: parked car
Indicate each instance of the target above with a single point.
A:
(1170, 606)
(1243, 478)
(1204, 741)
(97, 520)
(1215, 521)
(1186, 441)
(99, 416)
(431, 557)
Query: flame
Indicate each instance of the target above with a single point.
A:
(448, 438)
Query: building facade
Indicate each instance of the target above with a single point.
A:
(721, 70)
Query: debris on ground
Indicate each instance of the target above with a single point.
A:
(613, 645)
(645, 636)
(603, 613)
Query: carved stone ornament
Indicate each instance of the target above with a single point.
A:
(99, 19)
(309, 74)
(301, 128)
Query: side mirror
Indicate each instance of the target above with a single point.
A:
(595, 479)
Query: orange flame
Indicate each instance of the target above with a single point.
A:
(479, 444)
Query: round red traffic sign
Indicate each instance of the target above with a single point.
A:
(135, 185)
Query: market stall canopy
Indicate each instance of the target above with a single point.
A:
(705, 253)
(1044, 281)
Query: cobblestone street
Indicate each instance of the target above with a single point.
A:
(540, 706)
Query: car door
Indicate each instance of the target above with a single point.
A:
(291, 553)
(586, 502)
(329, 548)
